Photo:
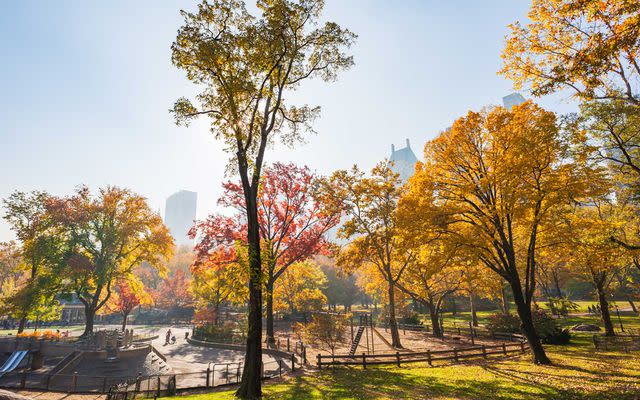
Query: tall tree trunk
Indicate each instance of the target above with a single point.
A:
(89, 314)
(216, 314)
(435, 321)
(22, 323)
(472, 306)
(526, 321)
(504, 303)
(124, 321)
(632, 304)
(393, 324)
(557, 284)
(250, 387)
(604, 310)
(269, 312)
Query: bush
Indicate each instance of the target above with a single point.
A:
(506, 323)
(546, 326)
(411, 319)
(227, 333)
(561, 306)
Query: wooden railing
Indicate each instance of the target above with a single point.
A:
(428, 356)
(619, 342)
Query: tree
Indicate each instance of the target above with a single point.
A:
(246, 65)
(107, 236)
(433, 274)
(11, 273)
(220, 278)
(299, 291)
(589, 47)
(41, 253)
(369, 206)
(593, 255)
(327, 329)
(128, 295)
(292, 224)
(340, 288)
(491, 182)
(174, 296)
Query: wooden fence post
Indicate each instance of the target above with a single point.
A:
(522, 347)
(207, 380)
(429, 358)
(398, 358)
(74, 382)
(288, 345)
(280, 367)
(319, 362)
(484, 351)
(504, 349)
(304, 354)
(455, 355)
(364, 361)
(158, 388)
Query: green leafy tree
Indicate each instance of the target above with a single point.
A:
(107, 236)
(41, 253)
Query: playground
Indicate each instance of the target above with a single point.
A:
(139, 359)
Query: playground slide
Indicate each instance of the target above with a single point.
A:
(14, 360)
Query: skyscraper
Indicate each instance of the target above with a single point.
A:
(403, 161)
(179, 215)
(514, 99)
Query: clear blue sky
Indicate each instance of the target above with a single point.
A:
(85, 87)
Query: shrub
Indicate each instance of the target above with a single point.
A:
(561, 306)
(546, 326)
(506, 323)
(227, 333)
(411, 319)
(327, 330)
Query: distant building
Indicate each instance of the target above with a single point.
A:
(514, 99)
(403, 161)
(179, 215)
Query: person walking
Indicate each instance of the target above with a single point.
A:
(168, 337)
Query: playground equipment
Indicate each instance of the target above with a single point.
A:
(365, 327)
(14, 360)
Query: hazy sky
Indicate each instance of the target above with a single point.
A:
(85, 88)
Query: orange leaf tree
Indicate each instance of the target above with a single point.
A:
(590, 47)
(491, 183)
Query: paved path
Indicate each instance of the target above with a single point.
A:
(191, 362)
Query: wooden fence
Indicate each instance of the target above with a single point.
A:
(427, 356)
(619, 342)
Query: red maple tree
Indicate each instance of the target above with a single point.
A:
(292, 224)
(126, 300)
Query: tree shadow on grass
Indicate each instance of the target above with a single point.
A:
(397, 384)
(589, 387)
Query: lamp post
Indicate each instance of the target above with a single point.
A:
(619, 319)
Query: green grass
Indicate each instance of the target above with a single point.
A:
(578, 373)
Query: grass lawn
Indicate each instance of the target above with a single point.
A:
(578, 372)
